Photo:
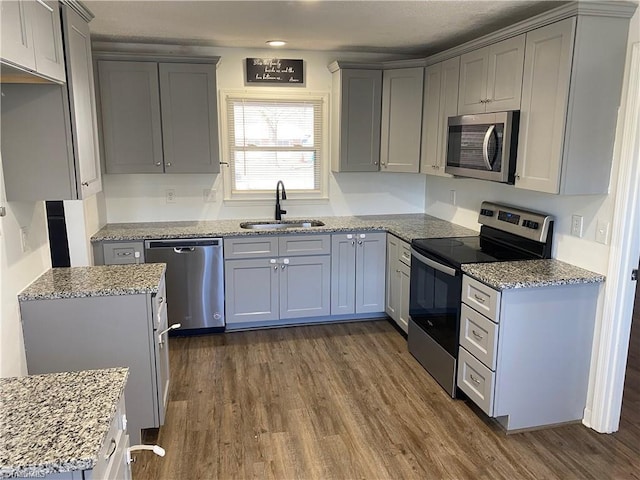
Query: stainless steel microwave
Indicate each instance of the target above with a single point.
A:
(483, 146)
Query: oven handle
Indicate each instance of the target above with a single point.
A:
(485, 147)
(438, 266)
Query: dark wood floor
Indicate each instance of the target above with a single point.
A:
(348, 401)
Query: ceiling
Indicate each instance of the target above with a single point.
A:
(420, 27)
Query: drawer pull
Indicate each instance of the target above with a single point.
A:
(123, 254)
(477, 335)
(475, 380)
(112, 449)
(478, 298)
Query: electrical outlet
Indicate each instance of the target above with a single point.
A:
(576, 225)
(452, 197)
(170, 194)
(208, 195)
(602, 232)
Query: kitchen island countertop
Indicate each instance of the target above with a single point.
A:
(406, 226)
(96, 281)
(56, 422)
(530, 274)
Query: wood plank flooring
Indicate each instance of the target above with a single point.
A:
(347, 401)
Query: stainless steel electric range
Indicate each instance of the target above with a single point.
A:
(507, 233)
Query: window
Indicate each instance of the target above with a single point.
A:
(271, 138)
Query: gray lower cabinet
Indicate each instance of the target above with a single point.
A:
(525, 353)
(69, 334)
(358, 273)
(118, 253)
(49, 132)
(398, 277)
(284, 278)
(158, 116)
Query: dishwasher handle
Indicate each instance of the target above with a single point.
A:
(183, 249)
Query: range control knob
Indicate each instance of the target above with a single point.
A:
(486, 212)
(530, 224)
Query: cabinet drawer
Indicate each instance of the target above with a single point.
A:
(404, 253)
(479, 335)
(291, 245)
(123, 252)
(251, 247)
(476, 380)
(481, 298)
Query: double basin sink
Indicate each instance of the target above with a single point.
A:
(281, 224)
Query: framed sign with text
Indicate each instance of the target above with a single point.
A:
(275, 70)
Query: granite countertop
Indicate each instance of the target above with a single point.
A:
(56, 422)
(529, 274)
(98, 281)
(405, 226)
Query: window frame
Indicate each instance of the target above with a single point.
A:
(260, 197)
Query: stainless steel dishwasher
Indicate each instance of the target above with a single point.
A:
(195, 281)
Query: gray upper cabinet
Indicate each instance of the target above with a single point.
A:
(49, 135)
(401, 120)
(130, 106)
(159, 116)
(571, 92)
(32, 37)
(82, 102)
(440, 103)
(491, 77)
(355, 123)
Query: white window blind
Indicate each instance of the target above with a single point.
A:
(274, 139)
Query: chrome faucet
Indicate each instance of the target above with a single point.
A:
(280, 211)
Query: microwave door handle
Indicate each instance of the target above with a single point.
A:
(438, 266)
(485, 147)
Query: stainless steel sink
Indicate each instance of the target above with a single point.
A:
(281, 224)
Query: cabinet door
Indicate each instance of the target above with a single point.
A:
(16, 43)
(431, 118)
(356, 122)
(545, 91)
(392, 303)
(370, 272)
(251, 290)
(47, 38)
(448, 108)
(405, 276)
(82, 103)
(189, 118)
(305, 286)
(473, 81)
(130, 103)
(343, 274)
(401, 120)
(161, 348)
(504, 81)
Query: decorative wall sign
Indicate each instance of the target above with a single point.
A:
(275, 70)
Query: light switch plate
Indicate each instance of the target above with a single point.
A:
(170, 194)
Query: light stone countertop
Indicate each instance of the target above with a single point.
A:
(56, 422)
(406, 226)
(97, 281)
(530, 274)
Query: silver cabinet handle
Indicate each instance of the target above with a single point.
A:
(478, 298)
(475, 380)
(375, 163)
(359, 242)
(168, 164)
(85, 184)
(112, 449)
(160, 299)
(353, 242)
(275, 267)
(123, 254)
(477, 335)
(158, 164)
(282, 266)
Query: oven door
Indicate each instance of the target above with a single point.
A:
(434, 318)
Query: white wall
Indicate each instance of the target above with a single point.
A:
(131, 198)
(18, 269)
(83, 218)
